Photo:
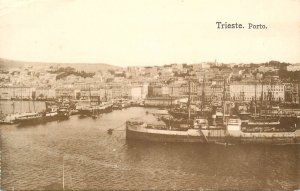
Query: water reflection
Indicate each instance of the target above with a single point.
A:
(93, 159)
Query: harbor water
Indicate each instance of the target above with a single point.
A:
(79, 154)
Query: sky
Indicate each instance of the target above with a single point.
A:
(148, 32)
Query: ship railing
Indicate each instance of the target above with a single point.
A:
(135, 122)
(151, 126)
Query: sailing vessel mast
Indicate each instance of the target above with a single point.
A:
(255, 98)
(189, 100)
(90, 95)
(29, 106)
(63, 175)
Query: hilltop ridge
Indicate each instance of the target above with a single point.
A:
(88, 67)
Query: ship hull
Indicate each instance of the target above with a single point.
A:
(32, 121)
(63, 116)
(86, 112)
(157, 137)
(212, 136)
(263, 140)
(49, 118)
(108, 109)
(183, 114)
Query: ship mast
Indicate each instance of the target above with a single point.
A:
(243, 94)
(63, 175)
(33, 103)
(255, 99)
(189, 99)
(29, 103)
(224, 96)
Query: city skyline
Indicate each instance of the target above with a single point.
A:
(4, 62)
(134, 33)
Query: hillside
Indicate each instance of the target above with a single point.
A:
(88, 67)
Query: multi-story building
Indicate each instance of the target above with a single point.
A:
(247, 91)
(95, 94)
(119, 90)
(159, 90)
(5, 93)
(175, 90)
(288, 92)
(190, 88)
(45, 93)
(296, 92)
(17, 92)
(65, 93)
(164, 101)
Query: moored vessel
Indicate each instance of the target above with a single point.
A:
(29, 118)
(231, 134)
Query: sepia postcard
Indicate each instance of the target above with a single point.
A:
(149, 95)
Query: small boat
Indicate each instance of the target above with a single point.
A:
(110, 131)
(120, 104)
(63, 112)
(108, 107)
(85, 110)
(6, 121)
(50, 114)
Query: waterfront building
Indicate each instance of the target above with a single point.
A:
(175, 89)
(65, 93)
(158, 90)
(138, 91)
(119, 90)
(190, 88)
(95, 94)
(164, 101)
(5, 93)
(17, 92)
(247, 91)
(45, 93)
